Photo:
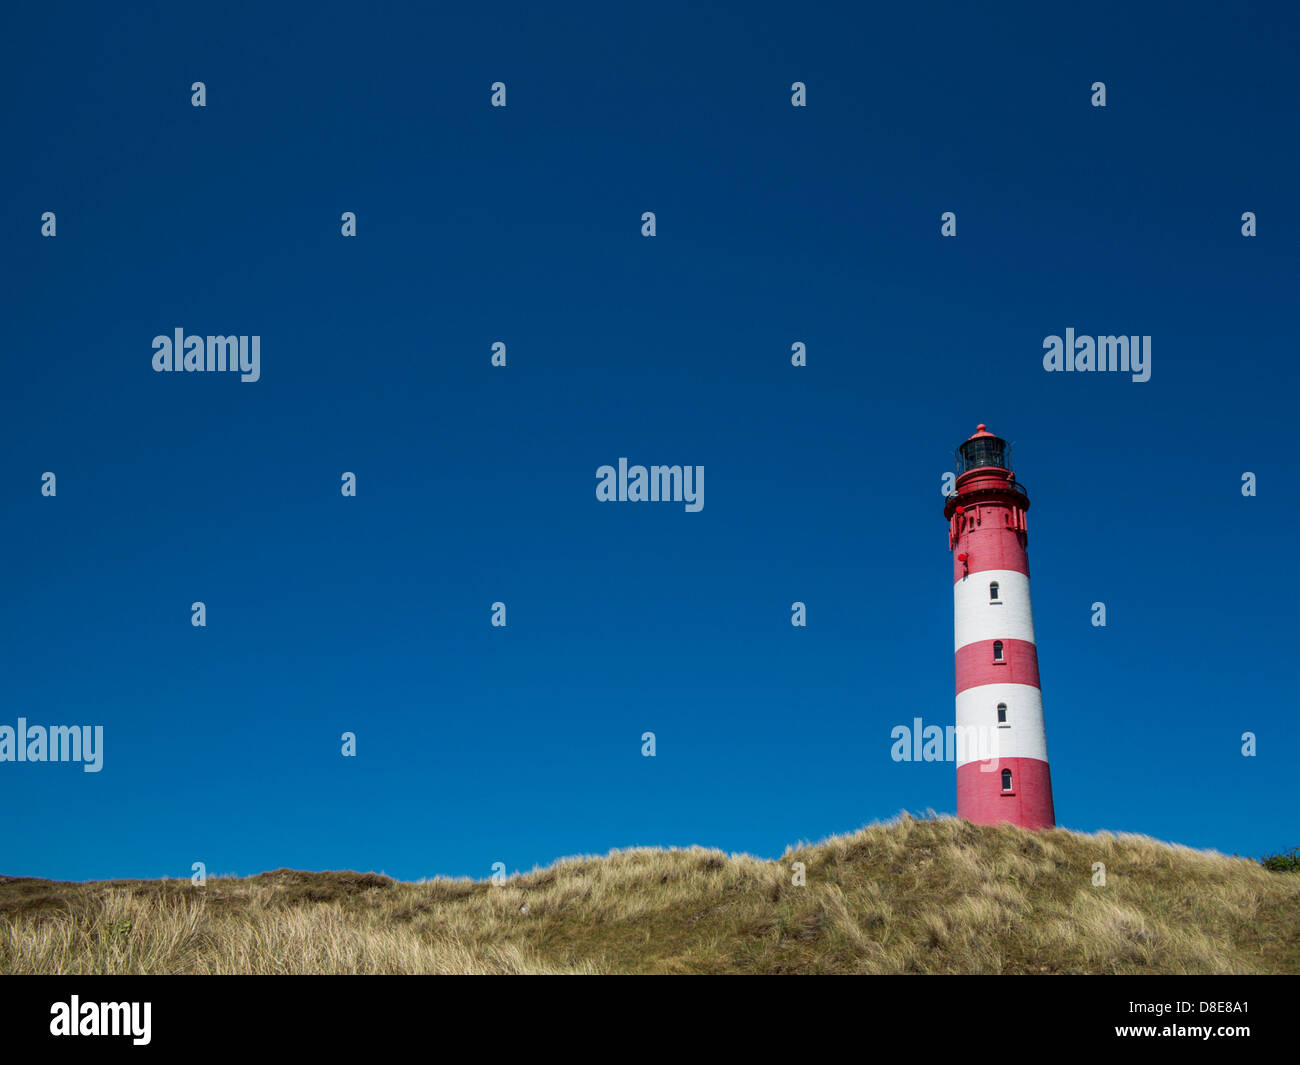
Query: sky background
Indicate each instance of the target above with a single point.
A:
(823, 484)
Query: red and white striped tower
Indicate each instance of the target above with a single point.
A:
(998, 697)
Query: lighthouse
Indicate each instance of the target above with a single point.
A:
(1002, 772)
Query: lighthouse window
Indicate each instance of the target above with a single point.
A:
(1006, 780)
(993, 592)
(1002, 714)
(997, 651)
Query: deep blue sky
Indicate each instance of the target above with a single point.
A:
(476, 484)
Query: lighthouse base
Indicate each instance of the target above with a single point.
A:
(982, 799)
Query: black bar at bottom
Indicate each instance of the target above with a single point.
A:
(347, 1013)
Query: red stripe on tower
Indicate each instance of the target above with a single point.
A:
(1002, 771)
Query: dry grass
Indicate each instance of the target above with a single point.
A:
(913, 896)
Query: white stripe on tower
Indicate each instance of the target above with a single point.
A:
(1022, 737)
(975, 617)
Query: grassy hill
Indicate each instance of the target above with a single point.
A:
(912, 896)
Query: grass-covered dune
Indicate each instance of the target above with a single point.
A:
(912, 896)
